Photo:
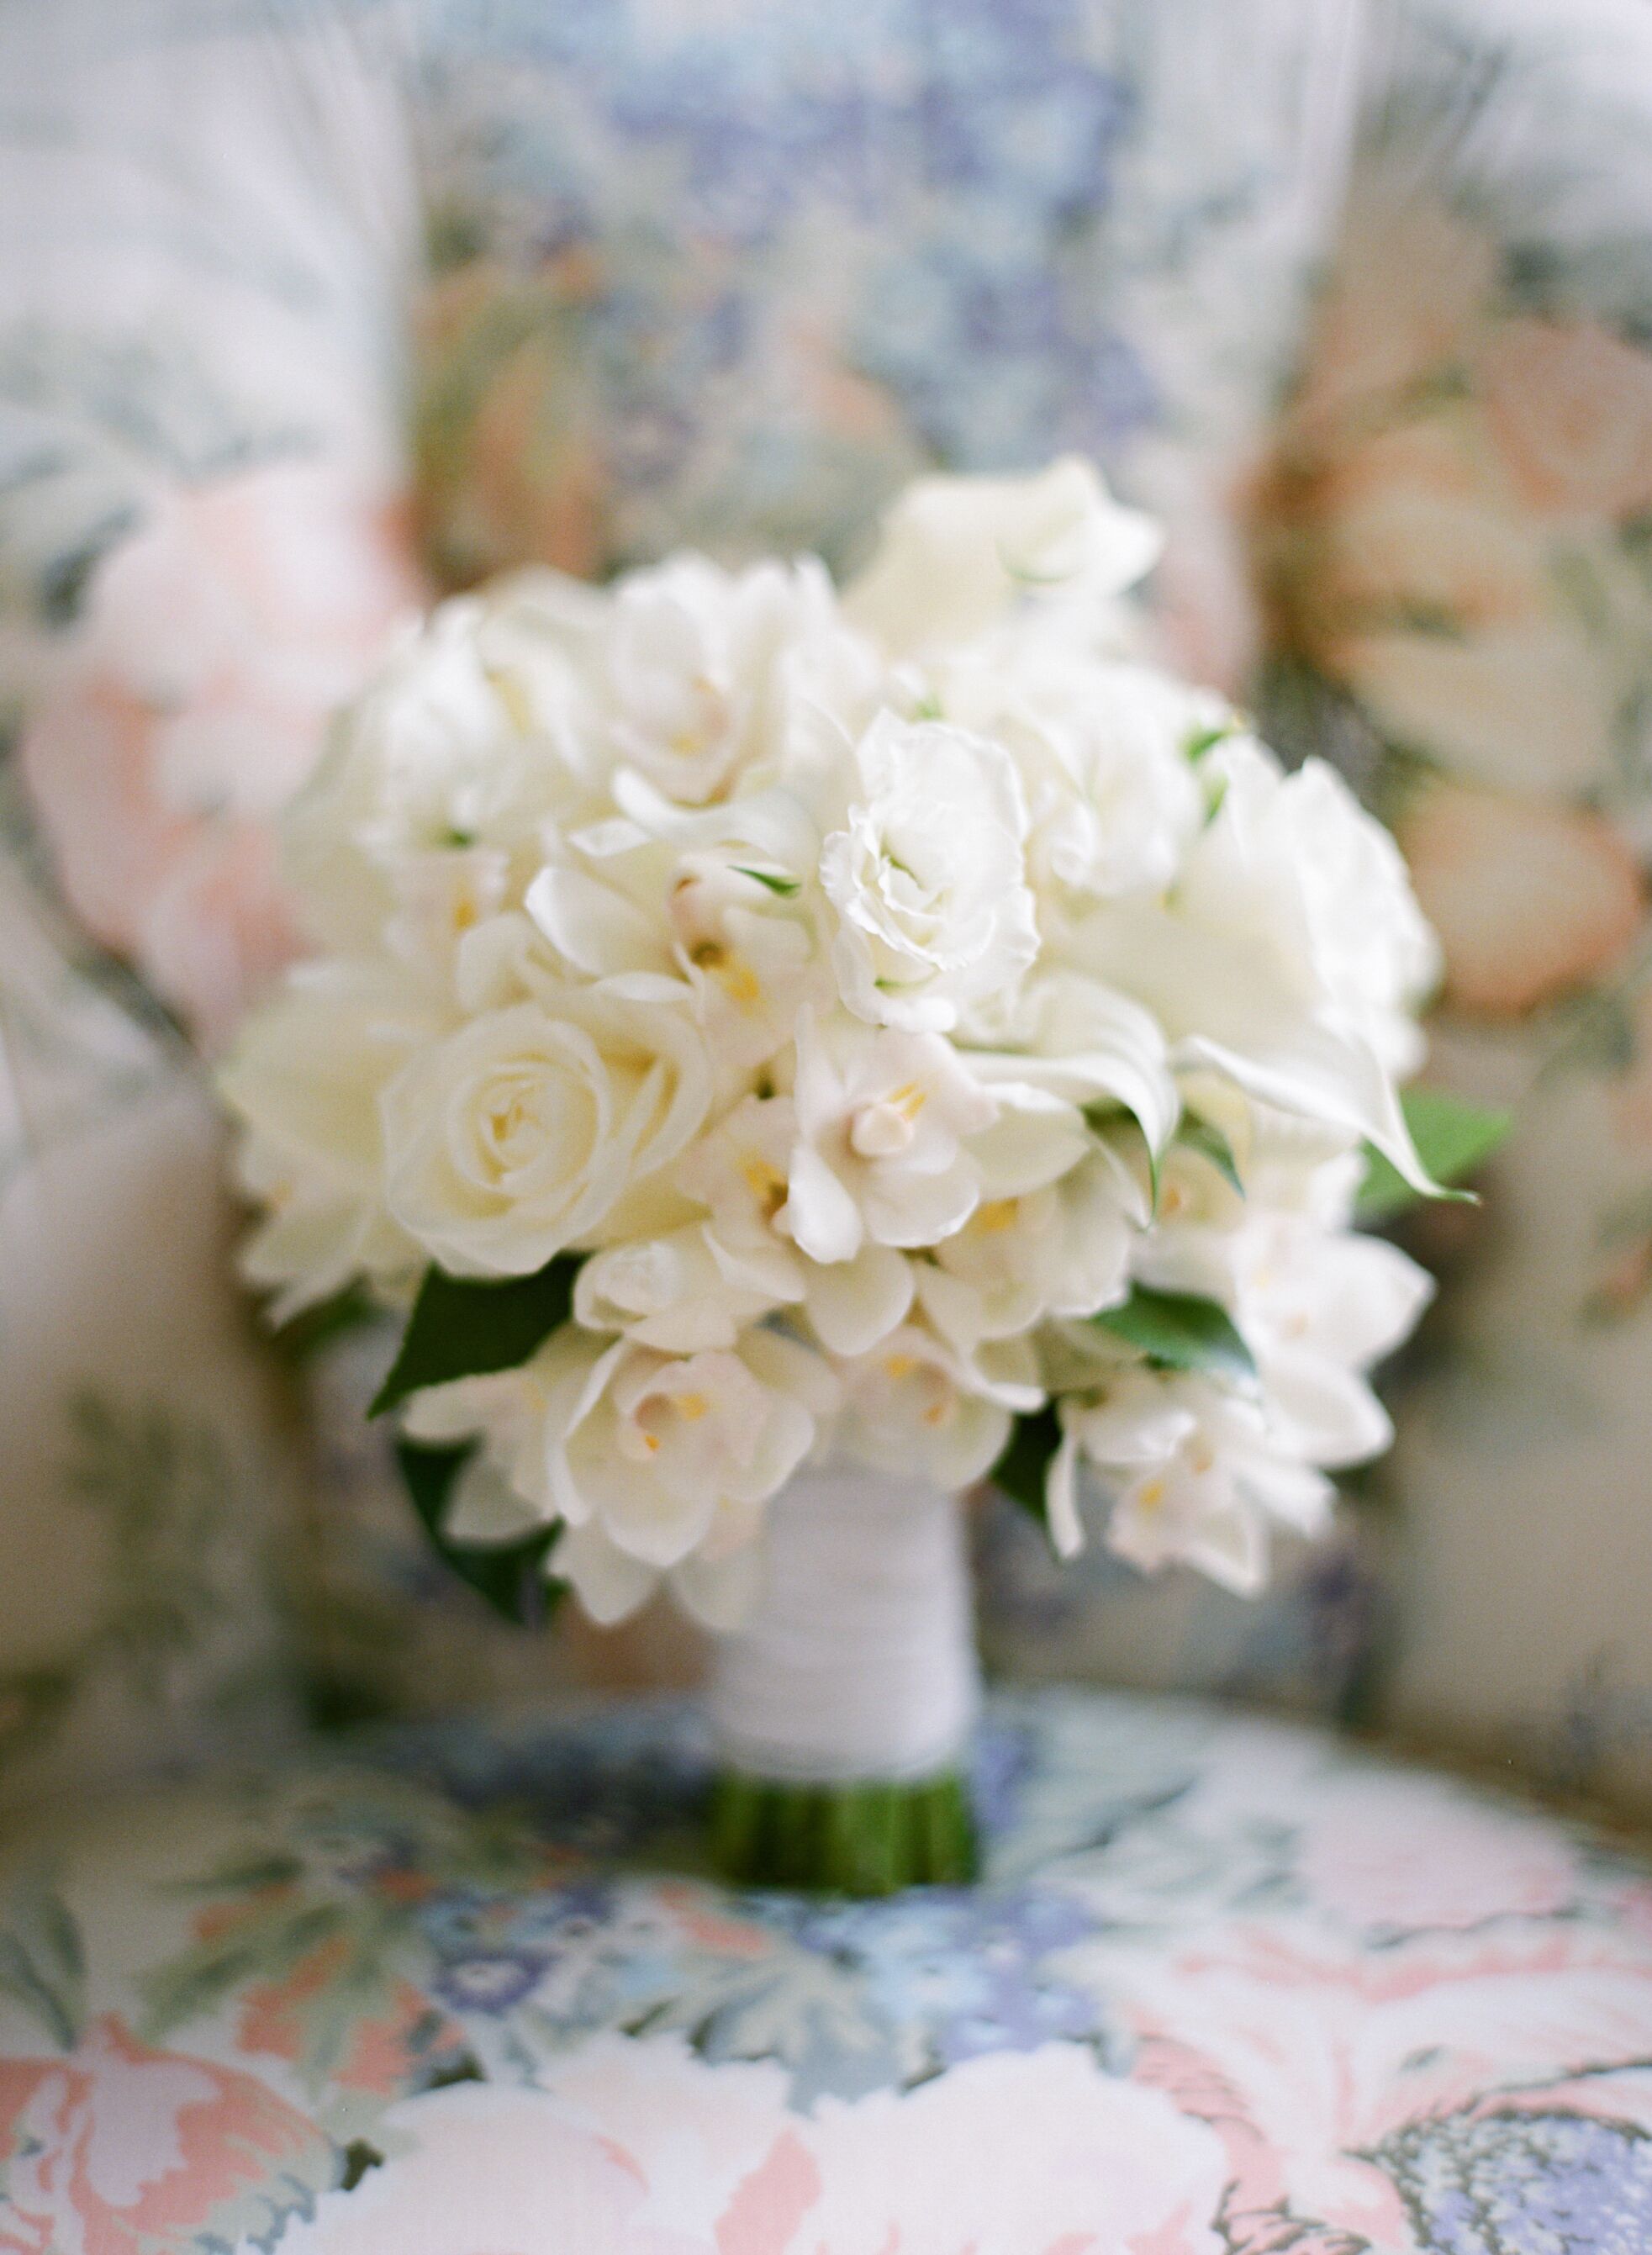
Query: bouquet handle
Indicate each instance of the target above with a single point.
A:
(842, 1708)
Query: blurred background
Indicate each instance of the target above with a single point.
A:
(310, 309)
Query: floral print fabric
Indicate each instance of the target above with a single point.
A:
(1455, 536)
(1224, 1991)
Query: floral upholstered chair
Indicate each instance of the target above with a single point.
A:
(309, 307)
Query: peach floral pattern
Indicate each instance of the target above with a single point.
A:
(125, 2150)
(1457, 538)
(190, 700)
(1532, 898)
(1225, 1990)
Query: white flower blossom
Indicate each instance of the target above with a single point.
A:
(914, 1408)
(1102, 749)
(898, 1004)
(880, 1120)
(516, 1135)
(739, 1171)
(307, 1078)
(1289, 955)
(927, 876)
(1196, 1474)
(649, 1460)
(701, 667)
(957, 552)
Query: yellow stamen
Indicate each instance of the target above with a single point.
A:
(691, 1407)
(997, 1214)
(741, 983)
(900, 1366)
(767, 1184)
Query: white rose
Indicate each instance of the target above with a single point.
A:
(957, 552)
(514, 1137)
(927, 877)
(306, 1077)
(878, 1155)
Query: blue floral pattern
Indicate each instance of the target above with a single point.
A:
(1342, 2006)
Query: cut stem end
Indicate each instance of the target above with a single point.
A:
(868, 1838)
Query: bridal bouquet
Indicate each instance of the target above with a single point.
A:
(758, 1027)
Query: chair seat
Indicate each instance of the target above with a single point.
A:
(1226, 1989)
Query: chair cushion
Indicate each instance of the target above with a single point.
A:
(1226, 1989)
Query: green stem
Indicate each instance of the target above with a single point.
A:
(868, 1838)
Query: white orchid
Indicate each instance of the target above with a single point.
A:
(913, 1407)
(854, 1021)
(1289, 955)
(879, 1154)
(1196, 1475)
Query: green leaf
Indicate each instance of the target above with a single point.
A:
(305, 1335)
(1021, 1471)
(42, 1965)
(1210, 1143)
(510, 1576)
(786, 888)
(462, 1327)
(1452, 1138)
(1201, 740)
(1105, 1118)
(1179, 1330)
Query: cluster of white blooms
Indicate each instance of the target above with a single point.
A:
(912, 1012)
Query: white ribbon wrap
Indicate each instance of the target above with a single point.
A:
(858, 1659)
